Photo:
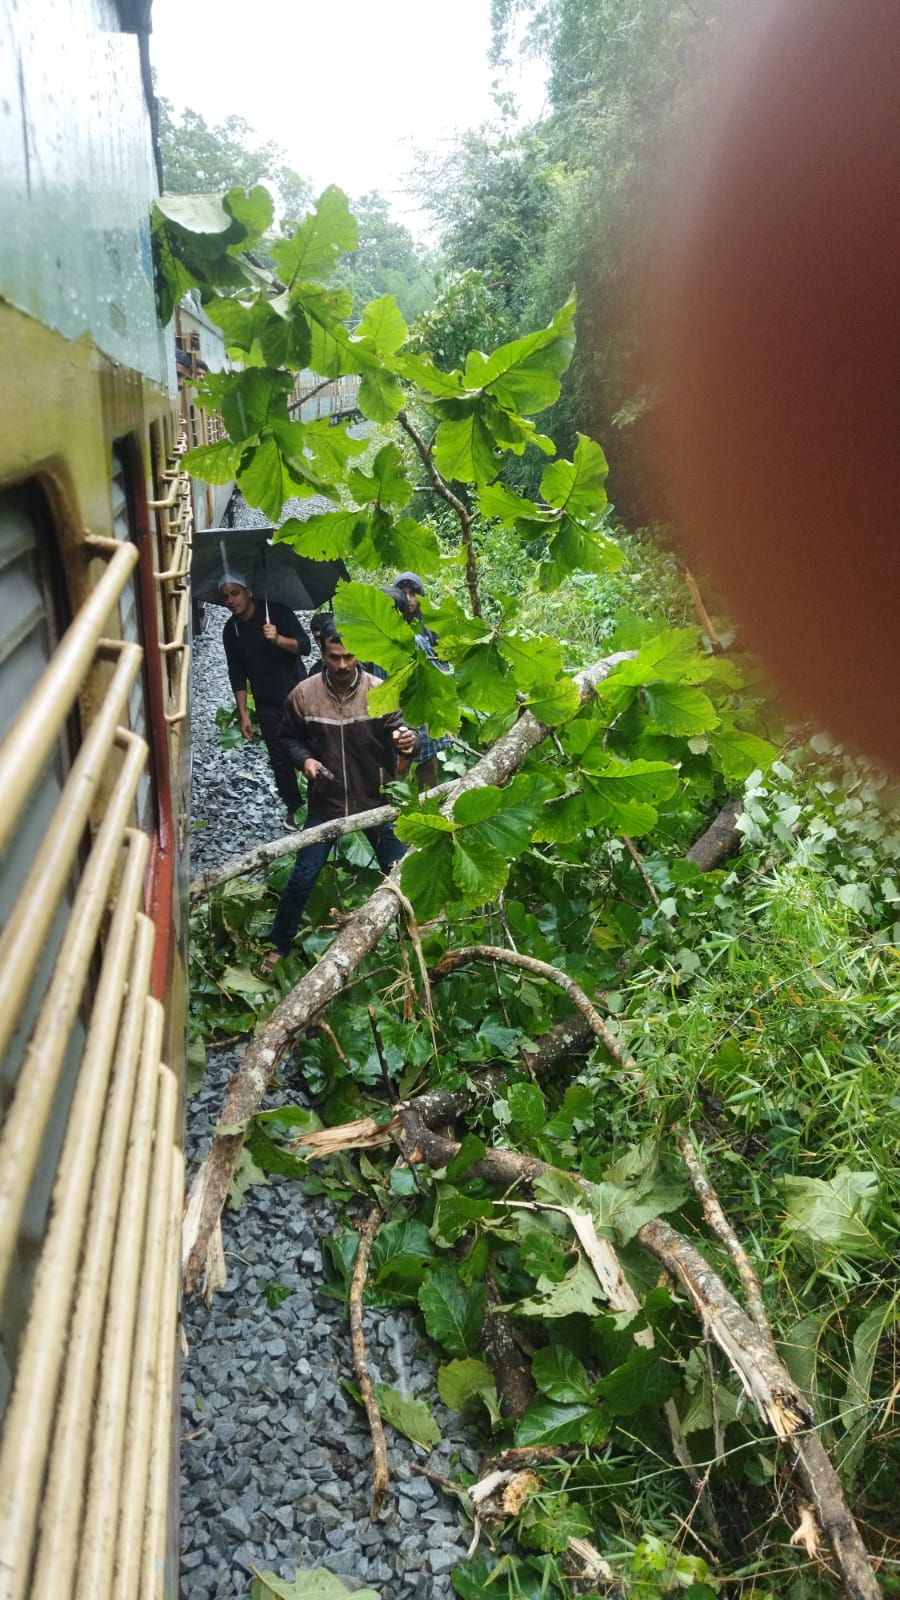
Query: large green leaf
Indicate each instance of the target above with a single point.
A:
(382, 326)
(484, 679)
(680, 708)
(453, 1310)
(578, 1291)
(546, 1422)
(739, 754)
(624, 795)
(828, 1219)
(372, 627)
(429, 698)
(479, 869)
(387, 484)
(669, 657)
(461, 1381)
(214, 463)
(409, 1415)
(573, 548)
(464, 448)
(502, 816)
(524, 376)
(380, 396)
(261, 477)
(554, 703)
(578, 486)
(643, 1379)
(456, 1214)
(380, 541)
(247, 400)
(325, 536)
(559, 1374)
(855, 1415)
(400, 1255)
(535, 659)
(427, 879)
(497, 500)
(434, 383)
(314, 248)
(330, 448)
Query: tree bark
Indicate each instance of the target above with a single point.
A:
(512, 1374)
(360, 1363)
(358, 937)
(720, 839)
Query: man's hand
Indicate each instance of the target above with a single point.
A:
(405, 740)
(246, 726)
(312, 769)
(270, 632)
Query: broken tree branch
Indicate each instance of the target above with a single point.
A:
(439, 1108)
(299, 839)
(811, 1460)
(719, 1225)
(540, 969)
(720, 839)
(703, 616)
(360, 1363)
(358, 937)
(512, 1372)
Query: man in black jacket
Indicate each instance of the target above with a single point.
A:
(264, 645)
(346, 756)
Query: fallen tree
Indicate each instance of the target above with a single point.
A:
(359, 936)
(748, 1348)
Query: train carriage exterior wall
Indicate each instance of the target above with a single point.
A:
(95, 531)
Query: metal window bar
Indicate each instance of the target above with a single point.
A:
(31, 741)
(145, 1373)
(32, 1102)
(22, 940)
(92, 1578)
(29, 1417)
(156, 1526)
(63, 1498)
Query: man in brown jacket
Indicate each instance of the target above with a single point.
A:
(347, 755)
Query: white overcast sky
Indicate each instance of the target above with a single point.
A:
(349, 89)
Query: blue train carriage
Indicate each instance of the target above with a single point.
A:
(95, 532)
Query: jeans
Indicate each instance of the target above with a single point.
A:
(269, 719)
(309, 864)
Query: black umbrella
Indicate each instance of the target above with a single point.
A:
(272, 571)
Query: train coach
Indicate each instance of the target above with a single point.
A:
(95, 534)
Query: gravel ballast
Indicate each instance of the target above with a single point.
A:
(276, 1456)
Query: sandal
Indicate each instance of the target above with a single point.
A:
(269, 962)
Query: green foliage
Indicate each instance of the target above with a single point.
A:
(758, 1000)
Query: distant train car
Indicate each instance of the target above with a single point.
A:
(95, 533)
(334, 398)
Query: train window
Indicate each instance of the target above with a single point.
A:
(132, 631)
(31, 621)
